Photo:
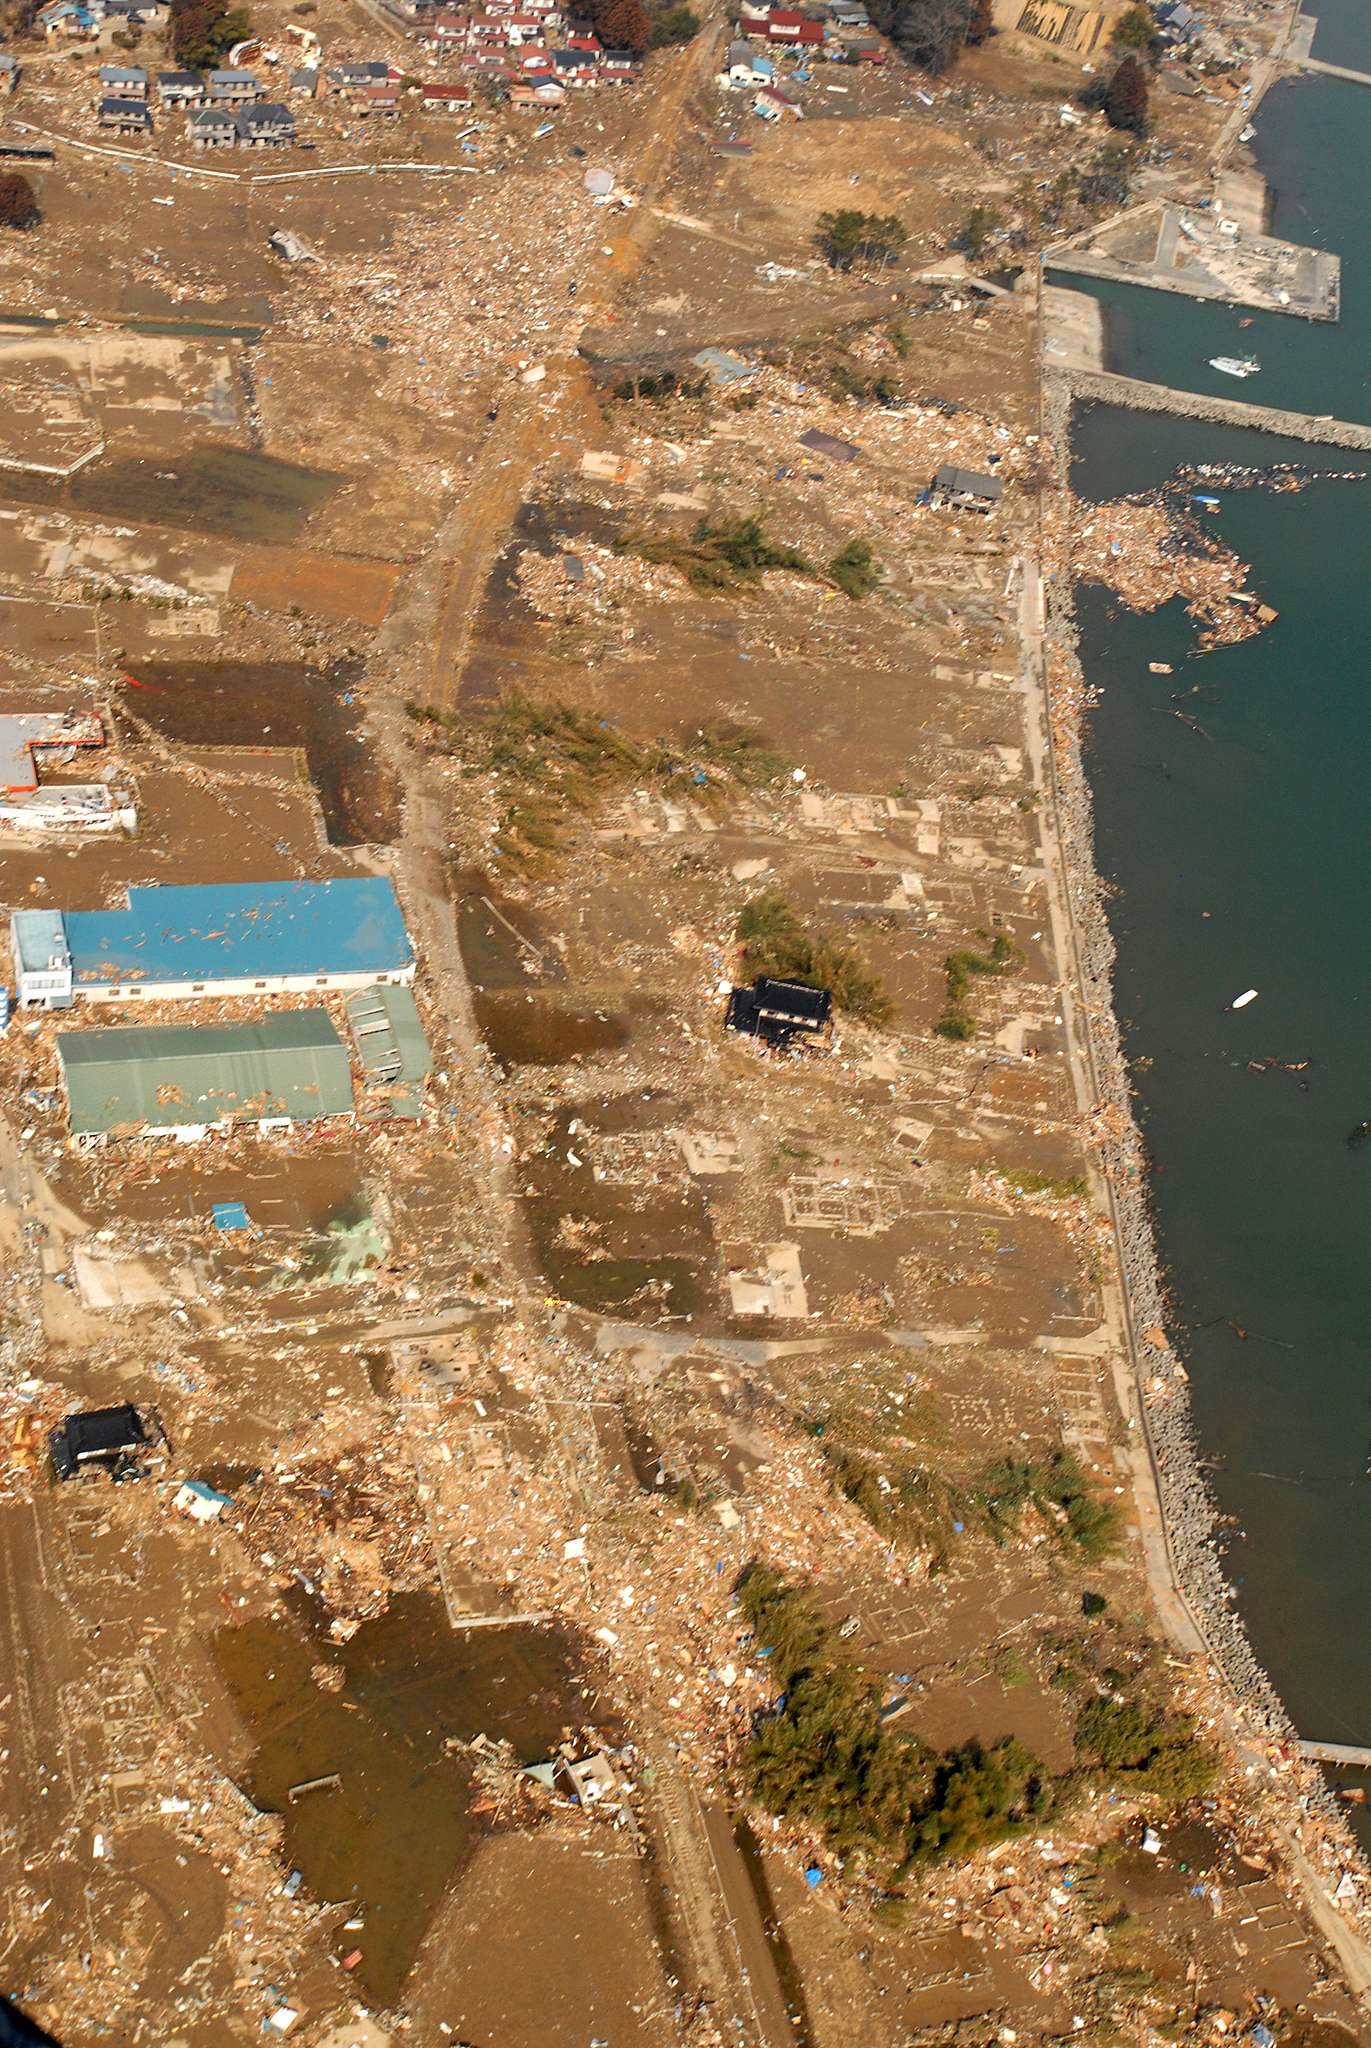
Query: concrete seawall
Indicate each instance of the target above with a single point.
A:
(1107, 389)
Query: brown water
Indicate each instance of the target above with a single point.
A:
(389, 1839)
(208, 490)
(500, 939)
(289, 704)
(531, 1030)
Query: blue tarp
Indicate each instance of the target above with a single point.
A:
(230, 1215)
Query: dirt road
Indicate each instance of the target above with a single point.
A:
(554, 412)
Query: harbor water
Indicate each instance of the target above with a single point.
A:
(1239, 844)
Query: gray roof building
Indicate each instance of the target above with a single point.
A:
(128, 82)
(180, 88)
(392, 1047)
(268, 123)
(211, 128)
(967, 488)
(139, 1081)
(128, 116)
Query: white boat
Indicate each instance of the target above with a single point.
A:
(1235, 366)
(1241, 1002)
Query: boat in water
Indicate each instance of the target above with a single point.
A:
(1235, 366)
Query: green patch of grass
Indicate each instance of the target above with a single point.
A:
(897, 1495)
(555, 765)
(1030, 1183)
(855, 570)
(962, 966)
(776, 943)
(1146, 1753)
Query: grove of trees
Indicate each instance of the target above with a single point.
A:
(847, 235)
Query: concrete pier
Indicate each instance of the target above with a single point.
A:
(1337, 1752)
(1107, 389)
(1202, 254)
(1336, 71)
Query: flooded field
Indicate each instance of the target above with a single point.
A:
(502, 944)
(208, 489)
(538, 1031)
(386, 1840)
(291, 704)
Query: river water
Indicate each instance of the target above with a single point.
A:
(1242, 858)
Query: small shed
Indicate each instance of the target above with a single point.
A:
(820, 443)
(199, 1501)
(391, 1047)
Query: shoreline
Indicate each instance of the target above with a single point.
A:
(1155, 1399)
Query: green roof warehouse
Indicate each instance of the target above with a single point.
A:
(184, 1081)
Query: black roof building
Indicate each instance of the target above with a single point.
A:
(779, 1011)
(100, 1436)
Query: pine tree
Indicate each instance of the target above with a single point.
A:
(1125, 102)
(981, 26)
(18, 207)
(623, 25)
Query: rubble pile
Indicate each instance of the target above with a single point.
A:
(348, 1527)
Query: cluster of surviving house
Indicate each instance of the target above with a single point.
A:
(82, 20)
(229, 108)
(206, 944)
(533, 46)
(838, 31)
(224, 109)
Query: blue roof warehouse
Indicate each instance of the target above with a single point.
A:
(216, 940)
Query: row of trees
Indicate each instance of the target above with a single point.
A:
(204, 31)
(848, 236)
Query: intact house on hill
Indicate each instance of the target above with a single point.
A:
(211, 128)
(233, 88)
(123, 82)
(125, 117)
(268, 126)
(180, 88)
